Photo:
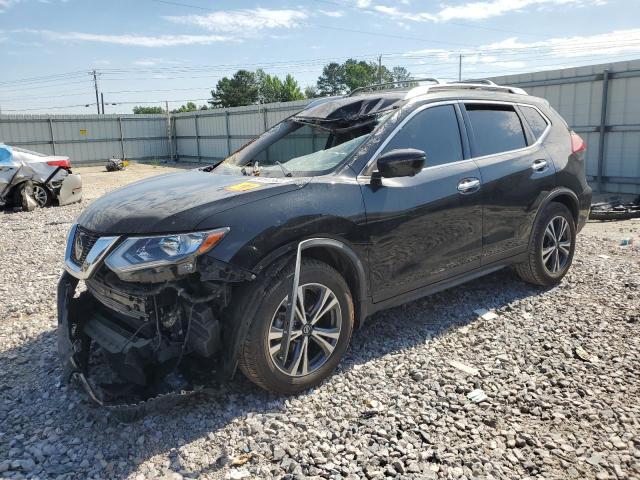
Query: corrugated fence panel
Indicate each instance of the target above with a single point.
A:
(209, 136)
(577, 94)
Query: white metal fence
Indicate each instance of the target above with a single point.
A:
(601, 102)
(211, 135)
(89, 138)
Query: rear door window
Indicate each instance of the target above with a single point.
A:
(496, 129)
(435, 131)
(536, 122)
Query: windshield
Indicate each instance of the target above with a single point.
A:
(297, 148)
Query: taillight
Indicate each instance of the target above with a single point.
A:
(60, 163)
(578, 145)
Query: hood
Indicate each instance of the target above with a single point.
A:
(178, 202)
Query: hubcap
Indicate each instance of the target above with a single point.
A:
(556, 245)
(315, 332)
(40, 195)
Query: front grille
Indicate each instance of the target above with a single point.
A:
(83, 241)
(132, 306)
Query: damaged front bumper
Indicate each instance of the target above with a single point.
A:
(126, 400)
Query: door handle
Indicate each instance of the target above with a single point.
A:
(469, 185)
(539, 165)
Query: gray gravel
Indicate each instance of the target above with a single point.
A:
(560, 368)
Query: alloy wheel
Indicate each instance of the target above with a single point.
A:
(316, 330)
(40, 195)
(556, 245)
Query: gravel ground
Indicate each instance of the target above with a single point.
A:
(560, 367)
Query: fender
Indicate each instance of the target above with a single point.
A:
(329, 243)
(243, 312)
(555, 193)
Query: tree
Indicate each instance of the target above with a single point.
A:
(337, 78)
(140, 110)
(311, 92)
(241, 89)
(269, 87)
(359, 74)
(189, 107)
(331, 82)
(290, 90)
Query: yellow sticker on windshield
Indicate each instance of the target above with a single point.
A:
(243, 187)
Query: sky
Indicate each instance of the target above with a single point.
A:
(149, 51)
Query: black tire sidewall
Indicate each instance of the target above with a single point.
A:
(552, 211)
(270, 375)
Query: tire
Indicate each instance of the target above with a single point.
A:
(42, 195)
(541, 267)
(256, 358)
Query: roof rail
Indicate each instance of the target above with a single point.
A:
(484, 81)
(464, 84)
(382, 86)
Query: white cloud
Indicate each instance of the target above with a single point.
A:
(332, 13)
(475, 10)
(134, 40)
(511, 53)
(612, 43)
(243, 22)
(151, 62)
(6, 4)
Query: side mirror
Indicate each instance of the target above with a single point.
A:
(405, 162)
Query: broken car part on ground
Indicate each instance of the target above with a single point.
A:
(615, 210)
(268, 261)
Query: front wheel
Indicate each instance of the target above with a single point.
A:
(551, 247)
(320, 334)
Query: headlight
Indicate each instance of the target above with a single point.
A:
(138, 253)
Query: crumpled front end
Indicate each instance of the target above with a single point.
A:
(130, 341)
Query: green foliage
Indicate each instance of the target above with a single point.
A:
(241, 89)
(189, 107)
(249, 88)
(290, 90)
(337, 79)
(311, 92)
(138, 109)
(331, 82)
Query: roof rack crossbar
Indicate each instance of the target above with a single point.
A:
(389, 84)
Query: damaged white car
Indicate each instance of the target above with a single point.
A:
(29, 179)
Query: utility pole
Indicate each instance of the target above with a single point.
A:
(169, 132)
(95, 84)
(460, 68)
(379, 68)
(102, 101)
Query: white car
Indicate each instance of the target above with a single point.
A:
(44, 178)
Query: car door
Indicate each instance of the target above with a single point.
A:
(427, 227)
(516, 174)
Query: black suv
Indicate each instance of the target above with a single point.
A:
(268, 260)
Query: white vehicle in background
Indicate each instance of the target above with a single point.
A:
(45, 179)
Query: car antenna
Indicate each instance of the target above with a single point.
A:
(286, 172)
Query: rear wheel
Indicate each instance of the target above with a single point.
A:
(42, 195)
(321, 331)
(551, 247)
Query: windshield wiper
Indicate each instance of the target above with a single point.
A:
(285, 172)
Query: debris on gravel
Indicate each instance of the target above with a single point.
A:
(560, 369)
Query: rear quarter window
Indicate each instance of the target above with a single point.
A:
(496, 129)
(537, 122)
